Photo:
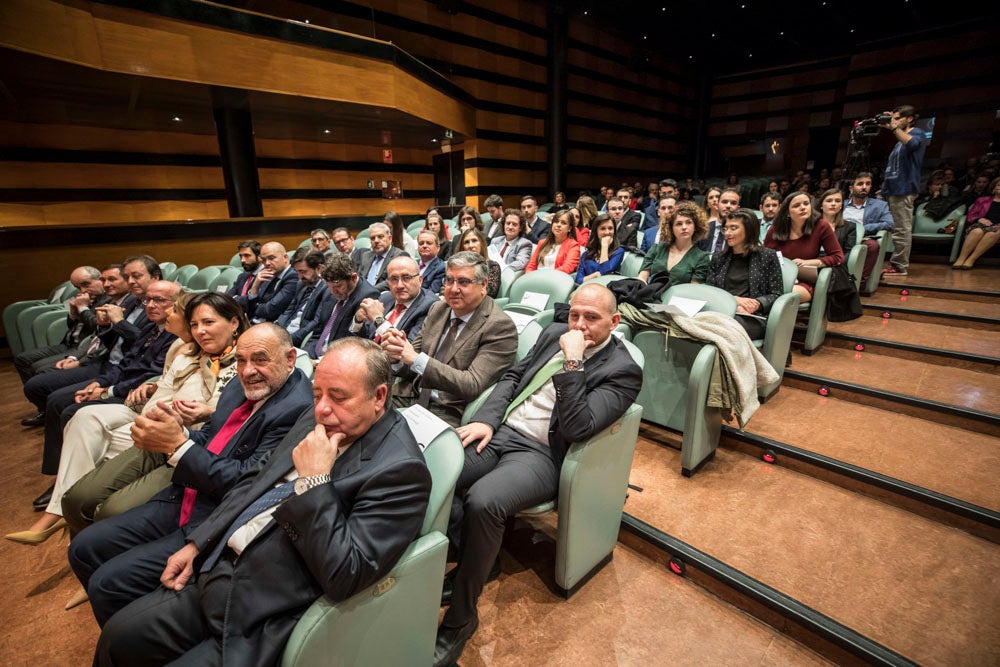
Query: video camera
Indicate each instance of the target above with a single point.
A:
(869, 127)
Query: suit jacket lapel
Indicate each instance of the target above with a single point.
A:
(475, 323)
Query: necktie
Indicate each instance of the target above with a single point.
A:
(246, 285)
(503, 250)
(543, 375)
(396, 313)
(447, 340)
(720, 240)
(321, 343)
(273, 497)
(236, 419)
(373, 272)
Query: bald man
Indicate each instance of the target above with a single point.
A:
(516, 442)
(273, 287)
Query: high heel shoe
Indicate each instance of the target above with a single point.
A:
(36, 537)
(78, 598)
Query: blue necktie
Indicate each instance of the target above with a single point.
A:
(266, 501)
(373, 272)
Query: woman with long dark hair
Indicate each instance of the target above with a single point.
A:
(603, 254)
(559, 250)
(797, 236)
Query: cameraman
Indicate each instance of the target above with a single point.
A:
(902, 183)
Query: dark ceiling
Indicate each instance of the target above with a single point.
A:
(728, 36)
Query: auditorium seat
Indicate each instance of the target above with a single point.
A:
(928, 230)
(225, 280)
(184, 274)
(47, 324)
(507, 278)
(363, 234)
(631, 265)
(414, 227)
(856, 258)
(58, 295)
(556, 285)
(26, 320)
(884, 239)
(815, 310)
(167, 270)
(680, 372)
(234, 261)
(202, 280)
(393, 622)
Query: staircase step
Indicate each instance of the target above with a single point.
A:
(917, 587)
(952, 312)
(941, 278)
(934, 343)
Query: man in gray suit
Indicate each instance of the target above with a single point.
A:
(575, 382)
(375, 262)
(465, 344)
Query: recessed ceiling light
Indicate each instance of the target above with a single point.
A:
(585, 12)
(782, 33)
(176, 119)
(305, 20)
(434, 140)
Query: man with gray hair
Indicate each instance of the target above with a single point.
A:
(466, 343)
(321, 242)
(375, 262)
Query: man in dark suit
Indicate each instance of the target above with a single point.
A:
(431, 266)
(80, 323)
(143, 359)
(88, 359)
(249, 252)
(402, 308)
(345, 292)
(715, 242)
(302, 314)
(575, 382)
(465, 344)
(345, 243)
(273, 286)
(537, 228)
(375, 262)
(120, 559)
(357, 489)
(626, 221)
(493, 227)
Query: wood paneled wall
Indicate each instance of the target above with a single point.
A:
(947, 74)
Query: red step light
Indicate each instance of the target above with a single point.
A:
(769, 456)
(904, 292)
(886, 315)
(860, 347)
(823, 391)
(677, 566)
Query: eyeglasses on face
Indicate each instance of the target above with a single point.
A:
(462, 282)
(403, 278)
(158, 300)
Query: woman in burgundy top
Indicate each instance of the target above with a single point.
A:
(797, 236)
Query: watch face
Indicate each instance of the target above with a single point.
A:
(301, 485)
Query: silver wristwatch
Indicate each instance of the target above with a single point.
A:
(303, 484)
(573, 365)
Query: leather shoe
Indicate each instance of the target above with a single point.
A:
(37, 420)
(448, 590)
(450, 642)
(42, 501)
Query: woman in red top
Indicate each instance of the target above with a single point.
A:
(797, 236)
(559, 250)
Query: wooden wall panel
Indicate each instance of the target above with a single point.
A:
(129, 176)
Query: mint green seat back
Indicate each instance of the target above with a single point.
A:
(202, 280)
(555, 284)
(184, 274)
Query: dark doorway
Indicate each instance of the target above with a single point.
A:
(449, 178)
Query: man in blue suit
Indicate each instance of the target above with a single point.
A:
(120, 559)
(249, 254)
(665, 209)
(273, 286)
(431, 266)
(715, 242)
(302, 314)
(874, 214)
(345, 292)
(402, 308)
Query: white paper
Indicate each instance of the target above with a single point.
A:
(536, 300)
(494, 253)
(520, 319)
(678, 305)
(424, 424)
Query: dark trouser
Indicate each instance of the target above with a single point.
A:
(39, 388)
(114, 487)
(59, 409)
(874, 250)
(754, 327)
(180, 627)
(121, 559)
(33, 362)
(511, 474)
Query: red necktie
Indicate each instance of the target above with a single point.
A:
(246, 285)
(236, 419)
(503, 250)
(396, 312)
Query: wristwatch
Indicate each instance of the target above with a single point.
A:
(573, 365)
(303, 484)
(378, 321)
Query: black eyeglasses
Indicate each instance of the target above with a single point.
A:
(462, 282)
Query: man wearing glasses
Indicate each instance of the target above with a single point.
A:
(345, 292)
(402, 308)
(321, 242)
(465, 344)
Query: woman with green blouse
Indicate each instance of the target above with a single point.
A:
(675, 259)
